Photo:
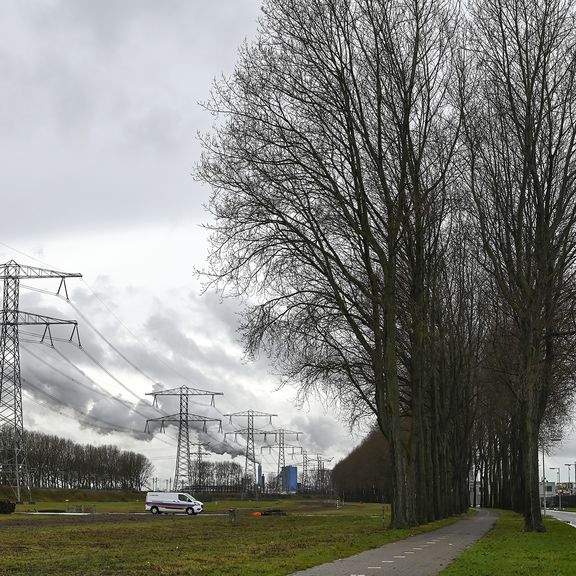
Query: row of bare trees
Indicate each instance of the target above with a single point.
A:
(393, 193)
(364, 474)
(519, 107)
(221, 477)
(55, 462)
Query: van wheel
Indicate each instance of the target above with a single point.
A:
(190, 511)
(154, 510)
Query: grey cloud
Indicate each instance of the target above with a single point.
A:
(225, 312)
(98, 105)
(320, 434)
(161, 129)
(98, 115)
(171, 358)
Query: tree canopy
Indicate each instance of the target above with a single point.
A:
(392, 187)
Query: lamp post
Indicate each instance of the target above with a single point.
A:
(557, 489)
(569, 489)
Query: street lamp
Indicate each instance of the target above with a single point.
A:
(569, 489)
(557, 489)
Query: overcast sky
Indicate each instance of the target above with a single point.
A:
(99, 115)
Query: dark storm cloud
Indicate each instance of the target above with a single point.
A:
(95, 381)
(89, 404)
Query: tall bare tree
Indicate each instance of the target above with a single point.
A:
(521, 120)
(330, 176)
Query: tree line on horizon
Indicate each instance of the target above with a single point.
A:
(364, 474)
(393, 195)
(55, 462)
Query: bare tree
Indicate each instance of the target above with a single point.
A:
(364, 474)
(330, 175)
(58, 463)
(521, 128)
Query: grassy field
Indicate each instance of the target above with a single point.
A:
(312, 532)
(509, 551)
(120, 539)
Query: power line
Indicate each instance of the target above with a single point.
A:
(217, 445)
(29, 256)
(123, 356)
(132, 333)
(97, 389)
(102, 424)
(251, 482)
(184, 418)
(14, 461)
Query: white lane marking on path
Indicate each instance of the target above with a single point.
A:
(387, 561)
(409, 552)
(399, 556)
(417, 548)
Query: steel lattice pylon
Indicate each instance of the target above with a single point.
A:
(250, 480)
(12, 452)
(198, 472)
(305, 466)
(13, 461)
(183, 474)
(183, 463)
(281, 446)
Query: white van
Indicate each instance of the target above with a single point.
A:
(174, 502)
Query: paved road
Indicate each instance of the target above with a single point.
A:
(422, 555)
(569, 517)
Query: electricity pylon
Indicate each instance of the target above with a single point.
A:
(184, 418)
(281, 446)
(304, 480)
(321, 481)
(13, 460)
(250, 432)
(281, 466)
(199, 473)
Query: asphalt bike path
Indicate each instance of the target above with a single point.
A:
(421, 555)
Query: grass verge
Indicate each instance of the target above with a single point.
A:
(98, 545)
(509, 551)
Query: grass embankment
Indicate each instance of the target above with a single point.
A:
(311, 533)
(509, 551)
